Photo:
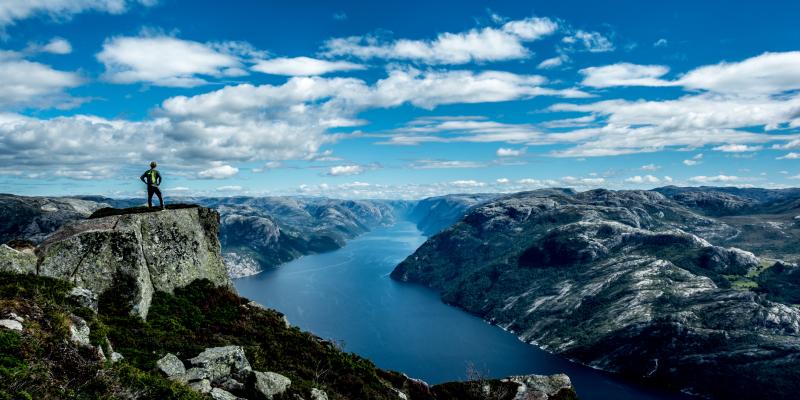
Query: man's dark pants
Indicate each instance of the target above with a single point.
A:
(150, 191)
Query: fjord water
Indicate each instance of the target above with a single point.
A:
(347, 295)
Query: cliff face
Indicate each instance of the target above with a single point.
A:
(136, 254)
(623, 281)
(436, 213)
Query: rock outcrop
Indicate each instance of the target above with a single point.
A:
(136, 254)
(625, 281)
(16, 261)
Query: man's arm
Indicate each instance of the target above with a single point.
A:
(143, 178)
(158, 178)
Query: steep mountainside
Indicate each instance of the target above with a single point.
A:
(33, 218)
(627, 281)
(199, 339)
(436, 213)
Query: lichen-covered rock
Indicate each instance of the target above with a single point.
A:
(137, 254)
(171, 366)
(79, 331)
(83, 298)
(202, 386)
(269, 384)
(219, 394)
(317, 394)
(19, 262)
(223, 362)
(543, 387)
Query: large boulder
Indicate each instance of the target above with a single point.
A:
(137, 254)
(220, 363)
(269, 384)
(543, 387)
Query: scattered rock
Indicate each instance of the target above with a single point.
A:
(170, 365)
(16, 317)
(79, 331)
(317, 394)
(195, 374)
(219, 394)
(232, 385)
(269, 384)
(221, 362)
(202, 386)
(11, 324)
(116, 357)
(83, 297)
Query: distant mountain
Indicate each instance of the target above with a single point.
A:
(436, 213)
(637, 282)
(34, 218)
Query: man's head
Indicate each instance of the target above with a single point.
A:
(153, 164)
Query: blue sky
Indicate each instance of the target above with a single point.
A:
(396, 100)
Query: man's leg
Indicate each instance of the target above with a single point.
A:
(149, 196)
(160, 200)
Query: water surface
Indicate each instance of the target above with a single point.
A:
(347, 295)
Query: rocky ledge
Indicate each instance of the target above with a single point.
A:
(131, 252)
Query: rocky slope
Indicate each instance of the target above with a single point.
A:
(199, 339)
(625, 281)
(34, 218)
(436, 213)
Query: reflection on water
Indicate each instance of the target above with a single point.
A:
(347, 295)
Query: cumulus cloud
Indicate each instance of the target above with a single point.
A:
(218, 171)
(624, 74)
(495, 43)
(638, 179)
(26, 82)
(737, 148)
(56, 45)
(303, 66)
(790, 156)
(553, 62)
(697, 159)
(508, 152)
(702, 179)
(15, 10)
(339, 170)
(650, 167)
(593, 42)
(165, 61)
(445, 164)
(470, 183)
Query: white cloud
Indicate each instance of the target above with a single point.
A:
(553, 62)
(504, 42)
(650, 167)
(340, 16)
(56, 45)
(26, 82)
(503, 181)
(638, 179)
(508, 152)
(15, 10)
(694, 160)
(593, 42)
(790, 156)
(661, 43)
(737, 148)
(164, 61)
(702, 179)
(445, 164)
(624, 74)
(229, 188)
(303, 66)
(339, 170)
(467, 184)
(218, 171)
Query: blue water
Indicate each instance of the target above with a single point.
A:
(347, 295)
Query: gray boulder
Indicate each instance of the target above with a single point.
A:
(317, 394)
(269, 384)
(11, 324)
(223, 362)
(171, 366)
(219, 394)
(79, 331)
(137, 254)
(202, 386)
(83, 297)
(19, 262)
(542, 387)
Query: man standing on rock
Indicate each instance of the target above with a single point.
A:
(152, 178)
